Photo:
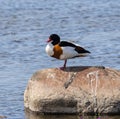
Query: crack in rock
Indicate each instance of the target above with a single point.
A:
(70, 80)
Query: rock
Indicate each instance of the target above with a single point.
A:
(2, 117)
(89, 90)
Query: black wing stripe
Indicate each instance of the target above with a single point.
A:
(81, 50)
(65, 44)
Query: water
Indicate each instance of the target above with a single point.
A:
(25, 26)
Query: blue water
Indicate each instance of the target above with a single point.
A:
(25, 25)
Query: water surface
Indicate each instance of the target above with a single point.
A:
(25, 25)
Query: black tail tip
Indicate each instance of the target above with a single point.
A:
(88, 51)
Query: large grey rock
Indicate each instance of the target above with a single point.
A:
(87, 90)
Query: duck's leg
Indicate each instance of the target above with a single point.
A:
(64, 66)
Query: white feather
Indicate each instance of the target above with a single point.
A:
(68, 52)
(49, 49)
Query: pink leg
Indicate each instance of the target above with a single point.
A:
(64, 66)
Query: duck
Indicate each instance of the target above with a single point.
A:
(64, 50)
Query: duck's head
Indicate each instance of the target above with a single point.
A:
(54, 39)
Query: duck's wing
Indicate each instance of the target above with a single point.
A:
(81, 50)
(76, 47)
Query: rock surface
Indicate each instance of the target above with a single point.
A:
(2, 117)
(88, 90)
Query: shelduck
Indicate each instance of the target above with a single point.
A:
(64, 50)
